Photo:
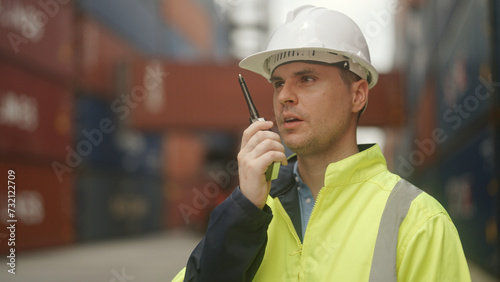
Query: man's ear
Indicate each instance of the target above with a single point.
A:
(359, 91)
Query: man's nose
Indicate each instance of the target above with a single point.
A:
(287, 94)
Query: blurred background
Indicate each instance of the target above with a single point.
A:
(122, 120)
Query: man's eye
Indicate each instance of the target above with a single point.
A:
(307, 79)
(278, 84)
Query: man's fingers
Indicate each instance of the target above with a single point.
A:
(259, 149)
(262, 155)
(258, 138)
(254, 128)
(259, 164)
(267, 145)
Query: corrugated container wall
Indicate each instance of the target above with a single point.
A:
(36, 113)
(450, 142)
(131, 56)
(44, 207)
(38, 35)
(71, 76)
(185, 30)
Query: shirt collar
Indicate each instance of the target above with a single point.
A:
(296, 174)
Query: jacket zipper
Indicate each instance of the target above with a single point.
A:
(292, 228)
(313, 212)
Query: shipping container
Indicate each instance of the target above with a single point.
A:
(184, 155)
(189, 203)
(386, 102)
(197, 96)
(425, 28)
(450, 148)
(140, 24)
(38, 35)
(200, 171)
(420, 144)
(104, 61)
(471, 193)
(416, 44)
(35, 116)
(42, 208)
(448, 52)
(149, 88)
(103, 140)
(111, 204)
(465, 89)
(431, 181)
(142, 152)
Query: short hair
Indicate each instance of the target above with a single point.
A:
(348, 77)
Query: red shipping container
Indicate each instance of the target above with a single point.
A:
(42, 208)
(184, 155)
(35, 116)
(385, 103)
(104, 61)
(38, 35)
(169, 95)
(428, 135)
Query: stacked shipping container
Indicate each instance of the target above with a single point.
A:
(450, 146)
(72, 75)
(36, 66)
(118, 175)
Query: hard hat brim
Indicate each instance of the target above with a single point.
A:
(259, 62)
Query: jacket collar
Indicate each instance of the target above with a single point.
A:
(356, 168)
(368, 162)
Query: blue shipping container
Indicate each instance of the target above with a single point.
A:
(140, 23)
(111, 204)
(104, 141)
(471, 195)
(464, 86)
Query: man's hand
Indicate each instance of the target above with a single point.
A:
(259, 148)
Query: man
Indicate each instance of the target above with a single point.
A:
(335, 213)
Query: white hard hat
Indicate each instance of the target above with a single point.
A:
(315, 34)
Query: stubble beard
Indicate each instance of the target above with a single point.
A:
(305, 146)
(308, 145)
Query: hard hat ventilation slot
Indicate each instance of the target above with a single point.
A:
(292, 53)
(288, 54)
(335, 58)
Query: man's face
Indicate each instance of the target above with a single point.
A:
(313, 107)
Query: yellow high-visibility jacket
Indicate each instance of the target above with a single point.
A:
(367, 225)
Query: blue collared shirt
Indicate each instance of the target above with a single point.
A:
(306, 200)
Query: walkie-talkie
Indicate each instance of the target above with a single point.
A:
(273, 169)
